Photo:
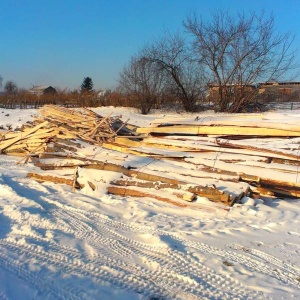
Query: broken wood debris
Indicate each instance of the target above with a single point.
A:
(220, 160)
(58, 125)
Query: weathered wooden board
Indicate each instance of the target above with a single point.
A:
(144, 151)
(49, 178)
(236, 144)
(244, 122)
(194, 146)
(205, 191)
(211, 194)
(125, 191)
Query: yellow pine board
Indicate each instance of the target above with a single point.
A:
(218, 130)
(20, 136)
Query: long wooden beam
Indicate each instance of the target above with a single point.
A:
(125, 191)
(258, 123)
(219, 130)
(231, 144)
(191, 189)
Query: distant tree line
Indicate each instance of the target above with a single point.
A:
(14, 97)
(24, 99)
(231, 53)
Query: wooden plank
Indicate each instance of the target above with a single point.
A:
(285, 161)
(211, 117)
(125, 191)
(145, 152)
(92, 134)
(27, 132)
(49, 178)
(255, 192)
(21, 154)
(87, 139)
(141, 193)
(91, 113)
(229, 143)
(21, 146)
(282, 191)
(127, 142)
(219, 130)
(204, 191)
(66, 142)
(211, 193)
(201, 147)
(20, 136)
(123, 149)
(172, 189)
(261, 177)
(256, 123)
(61, 155)
(75, 178)
(64, 114)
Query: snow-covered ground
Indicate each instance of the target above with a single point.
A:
(59, 244)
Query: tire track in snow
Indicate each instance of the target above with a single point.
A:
(178, 275)
(3, 295)
(174, 263)
(100, 269)
(42, 285)
(176, 278)
(86, 268)
(281, 271)
(268, 258)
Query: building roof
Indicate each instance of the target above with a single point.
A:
(280, 83)
(40, 88)
(212, 85)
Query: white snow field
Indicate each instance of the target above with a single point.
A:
(59, 244)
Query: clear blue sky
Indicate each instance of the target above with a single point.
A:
(59, 42)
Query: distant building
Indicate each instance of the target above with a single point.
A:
(287, 88)
(273, 90)
(102, 94)
(42, 90)
(214, 89)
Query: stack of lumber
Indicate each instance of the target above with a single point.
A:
(85, 124)
(223, 128)
(178, 161)
(265, 154)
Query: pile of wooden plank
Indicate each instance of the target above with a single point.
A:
(264, 154)
(58, 124)
(178, 162)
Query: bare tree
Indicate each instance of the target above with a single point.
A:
(185, 74)
(239, 52)
(141, 80)
(11, 87)
(11, 94)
